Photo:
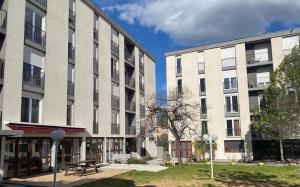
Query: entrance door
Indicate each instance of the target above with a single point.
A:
(68, 151)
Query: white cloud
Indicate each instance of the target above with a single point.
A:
(194, 21)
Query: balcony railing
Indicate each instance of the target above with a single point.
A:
(115, 75)
(233, 132)
(130, 81)
(2, 65)
(35, 34)
(129, 57)
(3, 15)
(257, 58)
(72, 17)
(71, 51)
(95, 127)
(95, 65)
(70, 88)
(96, 34)
(33, 75)
(115, 128)
(115, 102)
(261, 85)
(96, 96)
(130, 105)
(115, 48)
(130, 130)
(228, 62)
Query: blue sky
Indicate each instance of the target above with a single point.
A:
(162, 25)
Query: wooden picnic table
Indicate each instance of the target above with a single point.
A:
(81, 166)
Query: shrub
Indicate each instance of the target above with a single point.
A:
(136, 161)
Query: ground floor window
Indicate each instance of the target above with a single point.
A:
(114, 146)
(234, 146)
(185, 147)
(68, 151)
(94, 149)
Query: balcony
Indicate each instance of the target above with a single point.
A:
(3, 15)
(115, 75)
(115, 128)
(253, 85)
(231, 110)
(35, 35)
(233, 132)
(71, 52)
(115, 48)
(95, 65)
(130, 130)
(96, 97)
(129, 57)
(228, 63)
(96, 35)
(258, 59)
(72, 18)
(70, 88)
(33, 75)
(95, 127)
(2, 65)
(130, 106)
(115, 102)
(130, 81)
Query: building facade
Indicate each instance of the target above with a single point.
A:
(228, 79)
(66, 65)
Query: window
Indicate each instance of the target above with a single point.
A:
(69, 114)
(203, 105)
(115, 117)
(115, 36)
(201, 64)
(179, 86)
(204, 127)
(289, 43)
(231, 103)
(263, 79)
(178, 65)
(228, 57)
(115, 90)
(230, 80)
(233, 127)
(234, 146)
(30, 110)
(202, 83)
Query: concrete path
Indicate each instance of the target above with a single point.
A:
(138, 167)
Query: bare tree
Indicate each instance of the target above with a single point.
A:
(176, 113)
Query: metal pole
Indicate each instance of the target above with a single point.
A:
(55, 163)
(211, 160)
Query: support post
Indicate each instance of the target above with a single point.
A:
(2, 159)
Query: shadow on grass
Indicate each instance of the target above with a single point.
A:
(113, 182)
(243, 178)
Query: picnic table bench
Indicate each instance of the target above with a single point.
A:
(81, 166)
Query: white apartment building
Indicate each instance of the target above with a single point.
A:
(228, 79)
(66, 65)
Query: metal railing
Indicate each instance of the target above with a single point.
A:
(70, 88)
(95, 127)
(115, 102)
(255, 58)
(130, 81)
(129, 57)
(72, 17)
(71, 51)
(35, 34)
(130, 105)
(2, 66)
(115, 75)
(95, 65)
(96, 34)
(96, 96)
(252, 83)
(33, 75)
(115, 128)
(115, 48)
(130, 130)
(3, 15)
(233, 132)
(228, 62)
(43, 2)
(231, 108)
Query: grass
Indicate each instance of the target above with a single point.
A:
(199, 175)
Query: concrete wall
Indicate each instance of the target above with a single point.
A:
(277, 51)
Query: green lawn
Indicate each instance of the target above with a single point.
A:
(199, 175)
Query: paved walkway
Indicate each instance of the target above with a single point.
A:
(66, 181)
(138, 167)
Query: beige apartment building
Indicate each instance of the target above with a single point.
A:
(64, 64)
(228, 79)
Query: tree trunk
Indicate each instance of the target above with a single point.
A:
(281, 149)
(178, 146)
